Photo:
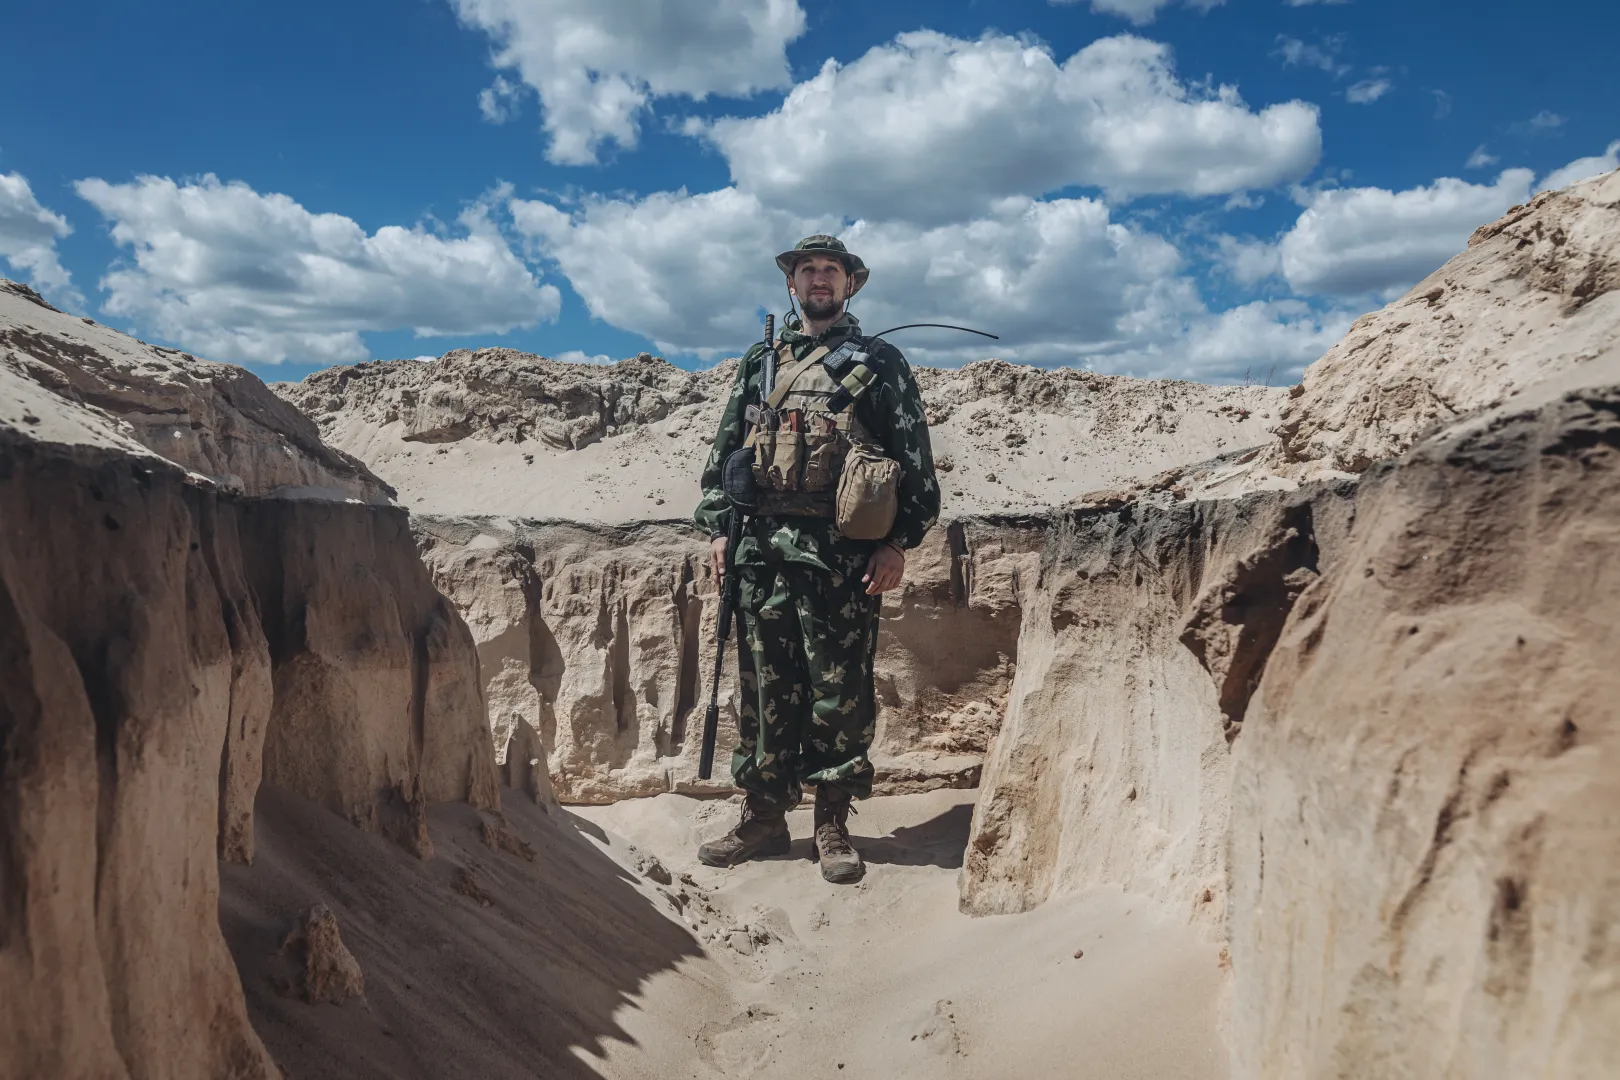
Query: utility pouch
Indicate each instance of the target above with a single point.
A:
(868, 494)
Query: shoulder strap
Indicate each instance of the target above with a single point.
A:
(785, 381)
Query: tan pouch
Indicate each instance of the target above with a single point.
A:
(821, 454)
(786, 463)
(763, 440)
(868, 494)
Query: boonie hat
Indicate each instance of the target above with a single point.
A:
(822, 244)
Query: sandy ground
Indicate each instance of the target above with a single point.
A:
(591, 944)
(887, 979)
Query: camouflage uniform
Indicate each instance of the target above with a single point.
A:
(809, 631)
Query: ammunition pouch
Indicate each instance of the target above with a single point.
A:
(804, 462)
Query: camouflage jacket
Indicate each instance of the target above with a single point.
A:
(892, 410)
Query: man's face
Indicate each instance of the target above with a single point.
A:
(822, 285)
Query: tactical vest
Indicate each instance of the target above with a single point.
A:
(802, 437)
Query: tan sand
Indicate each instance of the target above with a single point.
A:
(591, 944)
(887, 979)
(503, 433)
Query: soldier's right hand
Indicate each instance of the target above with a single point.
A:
(717, 555)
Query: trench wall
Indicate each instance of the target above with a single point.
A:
(597, 649)
(163, 650)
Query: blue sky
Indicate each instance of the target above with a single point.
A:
(1190, 189)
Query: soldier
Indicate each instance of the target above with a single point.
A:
(808, 594)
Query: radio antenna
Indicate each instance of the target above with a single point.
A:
(942, 326)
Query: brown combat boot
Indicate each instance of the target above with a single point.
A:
(762, 831)
(840, 863)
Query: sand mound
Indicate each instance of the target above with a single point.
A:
(501, 433)
(1424, 857)
(215, 420)
(1410, 842)
(1532, 299)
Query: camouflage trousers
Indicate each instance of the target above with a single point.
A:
(806, 708)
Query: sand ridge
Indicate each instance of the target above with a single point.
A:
(500, 432)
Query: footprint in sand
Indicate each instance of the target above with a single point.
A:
(935, 1030)
(742, 1046)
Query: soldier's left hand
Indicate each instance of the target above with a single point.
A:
(884, 569)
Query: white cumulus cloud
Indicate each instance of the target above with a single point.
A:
(596, 64)
(1247, 260)
(1542, 122)
(236, 275)
(28, 236)
(1354, 241)
(1058, 280)
(1582, 169)
(933, 129)
(691, 272)
(1481, 158)
(1267, 341)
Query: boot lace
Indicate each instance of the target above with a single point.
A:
(832, 835)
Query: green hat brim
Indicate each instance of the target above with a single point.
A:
(852, 263)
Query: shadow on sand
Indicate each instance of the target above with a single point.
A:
(478, 962)
(940, 841)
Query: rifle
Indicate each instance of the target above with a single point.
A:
(737, 477)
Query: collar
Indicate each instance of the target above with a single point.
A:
(846, 326)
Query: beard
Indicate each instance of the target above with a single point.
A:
(819, 307)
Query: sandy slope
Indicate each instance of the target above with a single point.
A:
(887, 979)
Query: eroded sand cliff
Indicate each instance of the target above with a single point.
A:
(199, 599)
(1410, 845)
(597, 643)
(1424, 854)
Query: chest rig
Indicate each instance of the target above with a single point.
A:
(804, 430)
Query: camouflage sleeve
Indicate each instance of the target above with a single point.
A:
(903, 427)
(713, 513)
